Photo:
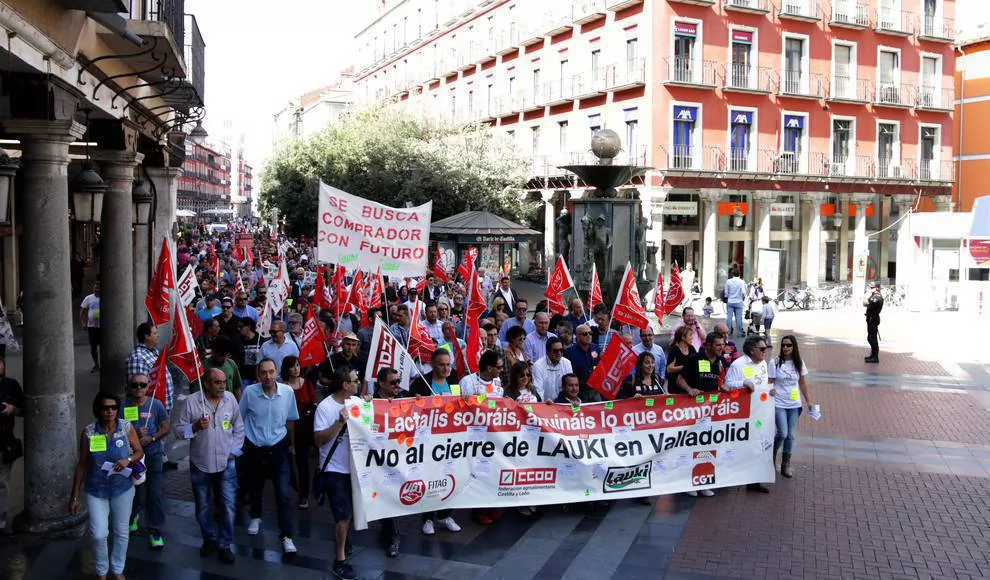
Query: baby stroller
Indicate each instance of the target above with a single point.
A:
(755, 317)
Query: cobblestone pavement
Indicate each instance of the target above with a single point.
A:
(890, 483)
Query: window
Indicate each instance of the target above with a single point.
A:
(740, 140)
(930, 80)
(929, 152)
(419, 23)
(890, 17)
(536, 82)
(792, 157)
(888, 150)
(844, 70)
(932, 22)
(595, 61)
(843, 161)
(562, 132)
(889, 77)
(685, 121)
(594, 123)
(632, 135)
(794, 77)
(632, 51)
(453, 105)
(563, 70)
(470, 102)
(742, 46)
(489, 95)
(684, 56)
(536, 139)
(512, 86)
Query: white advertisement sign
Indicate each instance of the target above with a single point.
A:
(360, 234)
(783, 209)
(440, 452)
(680, 208)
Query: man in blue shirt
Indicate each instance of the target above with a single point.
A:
(584, 356)
(242, 308)
(519, 320)
(269, 412)
(278, 347)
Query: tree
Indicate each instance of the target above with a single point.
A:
(390, 156)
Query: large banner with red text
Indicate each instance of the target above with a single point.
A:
(360, 234)
(416, 455)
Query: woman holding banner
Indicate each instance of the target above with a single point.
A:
(680, 353)
(644, 382)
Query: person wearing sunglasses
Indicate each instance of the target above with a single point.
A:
(107, 446)
(519, 310)
(750, 372)
(549, 369)
(148, 416)
(787, 374)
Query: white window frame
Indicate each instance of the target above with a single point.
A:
(897, 161)
(852, 137)
(937, 97)
(754, 134)
(900, 63)
(805, 58)
(754, 53)
(697, 133)
(699, 44)
(853, 66)
(937, 161)
(805, 141)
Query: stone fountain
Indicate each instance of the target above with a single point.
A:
(608, 226)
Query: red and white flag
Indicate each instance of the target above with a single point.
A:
(468, 264)
(617, 362)
(595, 293)
(186, 287)
(278, 290)
(313, 350)
(377, 289)
(265, 318)
(658, 294)
(421, 345)
(158, 377)
(322, 291)
(439, 271)
(182, 347)
(216, 264)
(161, 286)
(628, 308)
(357, 299)
(239, 285)
(386, 351)
(560, 281)
(675, 294)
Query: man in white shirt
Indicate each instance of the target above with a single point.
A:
(750, 372)
(434, 326)
(507, 293)
(486, 380)
(536, 342)
(548, 370)
(646, 344)
(735, 302)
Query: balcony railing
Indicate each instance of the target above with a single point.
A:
(753, 6)
(937, 28)
(932, 170)
(934, 98)
(800, 9)
(894, 94)
(195, 57)
(858, 166)
(850, 14)
(590, 83)
(890, 168)
(559, 91)
(588, 10)
(896, 22)
(799, 83)
(844, 88)
(628, 73)
(173, 14)
(749, 78)
(689, 71)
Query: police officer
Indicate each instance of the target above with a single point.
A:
(873, 304)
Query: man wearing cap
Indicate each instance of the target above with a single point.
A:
(874, 304)
(348, 356)
(278, 346)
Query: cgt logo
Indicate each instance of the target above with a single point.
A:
(627, 478)
(531, 476)
(412, 491)
(703, 474)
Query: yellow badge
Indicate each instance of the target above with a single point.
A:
(130, 413)
(97, 443)
(794, 395)
(226, 425)
(749, 372)
(704, 366)
(455, 389)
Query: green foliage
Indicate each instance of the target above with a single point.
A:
(392, 157)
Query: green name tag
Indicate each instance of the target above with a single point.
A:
(491, 403)
(575, 408)
(130, 413)
(98, 443)
(226, 425)
(529, 408)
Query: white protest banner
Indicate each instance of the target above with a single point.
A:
(441, 452)
(361, 234)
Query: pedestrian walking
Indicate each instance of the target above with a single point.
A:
(89, 315)
(787, 374)
(148, 416)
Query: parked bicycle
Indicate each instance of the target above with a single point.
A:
(796, 297)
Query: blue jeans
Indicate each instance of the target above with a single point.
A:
(735, 311)
(100, 513)
(202, 487)
(787, 420)
(149, 495)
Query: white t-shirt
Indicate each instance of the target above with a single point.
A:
(786, 381)
(92, 305)
(474, 385)
(328, 413)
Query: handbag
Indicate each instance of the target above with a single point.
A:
(318, 486)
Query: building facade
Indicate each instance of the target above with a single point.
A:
(972, 107)
(798, 126)
(309, 113)
(243, 186)
(205, 181)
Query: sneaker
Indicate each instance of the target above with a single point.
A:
(393, 549)
(254, 527)
(343, 571)
(450, 524)
(133, 526)
(208, 547)
(288, 546)
(226, 555)
(428, 527)
(156, 541)
(692, 493)
(707, 492)
(304, 504)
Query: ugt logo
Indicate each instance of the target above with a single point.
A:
(412, 491)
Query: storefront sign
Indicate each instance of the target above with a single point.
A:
(745, 36)
(680, 208)
(487, 239)
(730, 207)
(783, 209)
(442, 452)
(685, 28)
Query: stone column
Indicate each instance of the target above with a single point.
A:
(549, 231)
(709, 239)
(166, 187)
(884, 205)
(50, 432)
(861, 251)
(761, 227)
(944, 203)
(813, 236)
(905, 242)
(116, 267)
(842, 268)
(142, 272)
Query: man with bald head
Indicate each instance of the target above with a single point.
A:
(211, 420)
(536, 342)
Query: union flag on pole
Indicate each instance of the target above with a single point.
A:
(321, 293)
(595, 293)
(161, 287)
(187, 286)
(313, 350)
(158, 377)
(628, 308)
(617, 362)
(216, 264)
(675, 294)
(375, 298)
(182, 348)
(439, 271)
(560, 281)
(468, 264)
(387, 351)
(239, 285)
(658, 294)
(420, 343)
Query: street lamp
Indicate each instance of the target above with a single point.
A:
(8, 167)
(87, 189)
(737, 218)
(142, 199)
(837, 218)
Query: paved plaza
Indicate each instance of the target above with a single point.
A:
(890, 483)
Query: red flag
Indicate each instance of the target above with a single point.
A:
(617, 362)
(476, 298)
(658, 293)
(248, 255)
(439, 271)
(628, 308)
(420, 286)
(595, 293)
(339, 290)
(183, 348)
(312, 352)
(161, 287)
(420, 343)
(195, 324)
(475, 344)
(675, 294)
(472, 330)
(358, 299)
(560, 281)
(468, 264)
(375, 299)
(460, 359)
(239, 285)
(261, 279)
(237, 254)
(158, 377)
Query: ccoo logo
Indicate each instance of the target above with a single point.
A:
(412, 491)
